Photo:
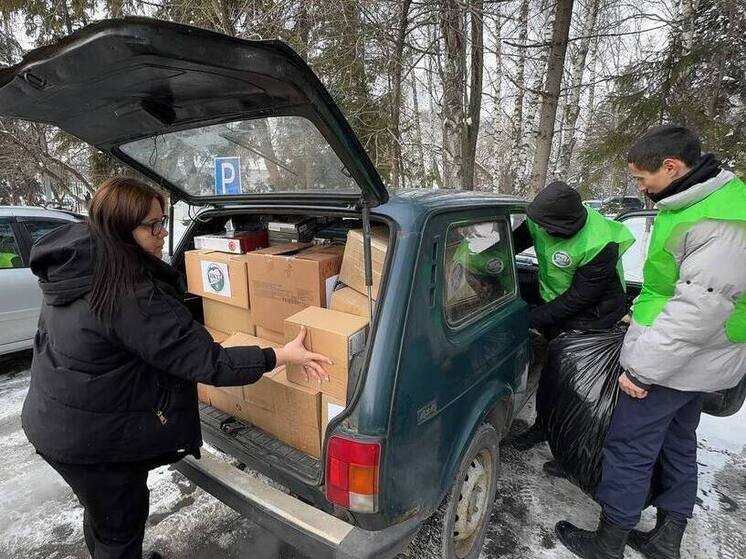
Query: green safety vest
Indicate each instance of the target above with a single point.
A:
(661, 271)
(559, 258)
(489, 263)
(6, 259)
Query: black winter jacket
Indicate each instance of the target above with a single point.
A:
(125, 391)
(596, 299)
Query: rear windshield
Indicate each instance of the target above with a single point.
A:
(265, 155)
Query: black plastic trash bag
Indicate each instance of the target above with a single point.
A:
(577, 394)
(724, 403)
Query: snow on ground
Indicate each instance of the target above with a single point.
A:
(40, 518)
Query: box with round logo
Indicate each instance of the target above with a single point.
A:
(219, 276)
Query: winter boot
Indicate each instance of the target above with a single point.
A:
(663, 541)
(553, 469)
(529, 438)
(607, 542)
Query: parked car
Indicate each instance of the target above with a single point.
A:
(21, 227)
(618, 205)
(595, 204)
(448, 361)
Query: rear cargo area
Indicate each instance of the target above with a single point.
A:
(257, 279)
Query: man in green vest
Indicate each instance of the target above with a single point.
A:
(687, 337)
(485, 271)
(581, 280)
(8, 260)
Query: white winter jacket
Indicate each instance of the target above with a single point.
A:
(686, 348)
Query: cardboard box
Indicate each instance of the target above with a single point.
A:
(219, 276)
(271, 335)
(203, 393)
(349, 301)
(297, 415)
(238, 242)
(330, 408)
(284, 280)
(245, 339)
(339, 336)
(217, 335)
(352, 272)
(227, 318)
(290, 412)
(227, 401)
(257, 392)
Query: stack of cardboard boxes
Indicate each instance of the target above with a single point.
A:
(353, 299)
(262, 298)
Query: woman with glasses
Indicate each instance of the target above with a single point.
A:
(116, 360)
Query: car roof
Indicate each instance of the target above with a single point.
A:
(652, 212)
(411, 207)
(622, 199)
(445, 197)
(33, 211)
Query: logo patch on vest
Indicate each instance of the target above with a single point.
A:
(216, 278)
(495, 266)
(561, 259)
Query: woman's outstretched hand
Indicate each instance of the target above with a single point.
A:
(295, 353)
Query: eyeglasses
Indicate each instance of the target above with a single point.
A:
(156, 226)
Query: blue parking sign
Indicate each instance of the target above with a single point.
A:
(227, 175)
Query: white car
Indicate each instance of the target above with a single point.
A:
(20, 296)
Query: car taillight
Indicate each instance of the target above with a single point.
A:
(352, 474)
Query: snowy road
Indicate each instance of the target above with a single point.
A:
(39, 517)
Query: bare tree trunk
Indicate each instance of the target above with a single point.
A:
(497, 87)
(474, 105)
(226, 16)
(572, 109)
(592, 83)
(714, 103)
(520, 85)
(689, 9)
(302, 30)
(420, 162)
(528, 150)
(500, 136)
(437, 176)
(396, 97)
(557, 141)
(555, 70)
(452, 25)
(66, 15)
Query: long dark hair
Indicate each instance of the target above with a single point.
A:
(118, 207)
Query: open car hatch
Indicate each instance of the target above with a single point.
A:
(214, 119)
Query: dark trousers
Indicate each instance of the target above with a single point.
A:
(659, 428)
(115, 499)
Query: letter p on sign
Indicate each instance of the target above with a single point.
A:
(227, 175)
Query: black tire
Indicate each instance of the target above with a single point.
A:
(439, 538)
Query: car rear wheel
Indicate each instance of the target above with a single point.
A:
(457, 529)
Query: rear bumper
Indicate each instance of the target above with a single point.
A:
(310, 530)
